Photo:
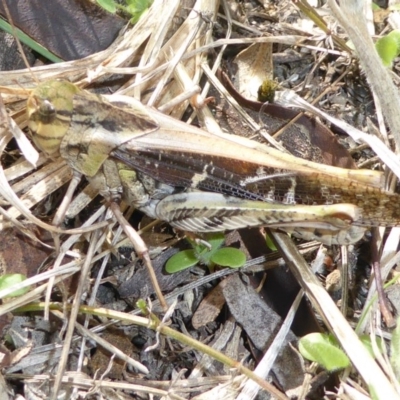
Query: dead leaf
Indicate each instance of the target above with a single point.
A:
(19, 255)
(254, 66)
(209, 308)
(100, 361)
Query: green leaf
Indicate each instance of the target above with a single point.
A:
(388, 47)
(8, 280)
(395, 34)
(137, 5)
(108, 5)
(142, 305)
(229, 257)
(270, 243)
(136, 8)
(180, 261)
(321, 348)
(395, 350)
(207, 252)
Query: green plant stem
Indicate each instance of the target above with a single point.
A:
(155, 324)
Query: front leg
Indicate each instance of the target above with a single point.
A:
(114, 186)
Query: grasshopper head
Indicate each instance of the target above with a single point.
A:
(49, 109)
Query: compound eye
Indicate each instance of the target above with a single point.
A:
(46, 112)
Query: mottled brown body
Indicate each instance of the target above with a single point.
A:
(156, 163)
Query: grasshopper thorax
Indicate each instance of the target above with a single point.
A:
(49, 110)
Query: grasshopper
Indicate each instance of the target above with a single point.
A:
(197, 181)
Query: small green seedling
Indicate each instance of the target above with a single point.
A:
(207, 252)
(8, 280)
(324, 350)
(388, 47)
(134, 8)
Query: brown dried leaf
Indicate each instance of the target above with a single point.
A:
(100, 361)
(209, 308)
(18, 254)
(254, 66)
